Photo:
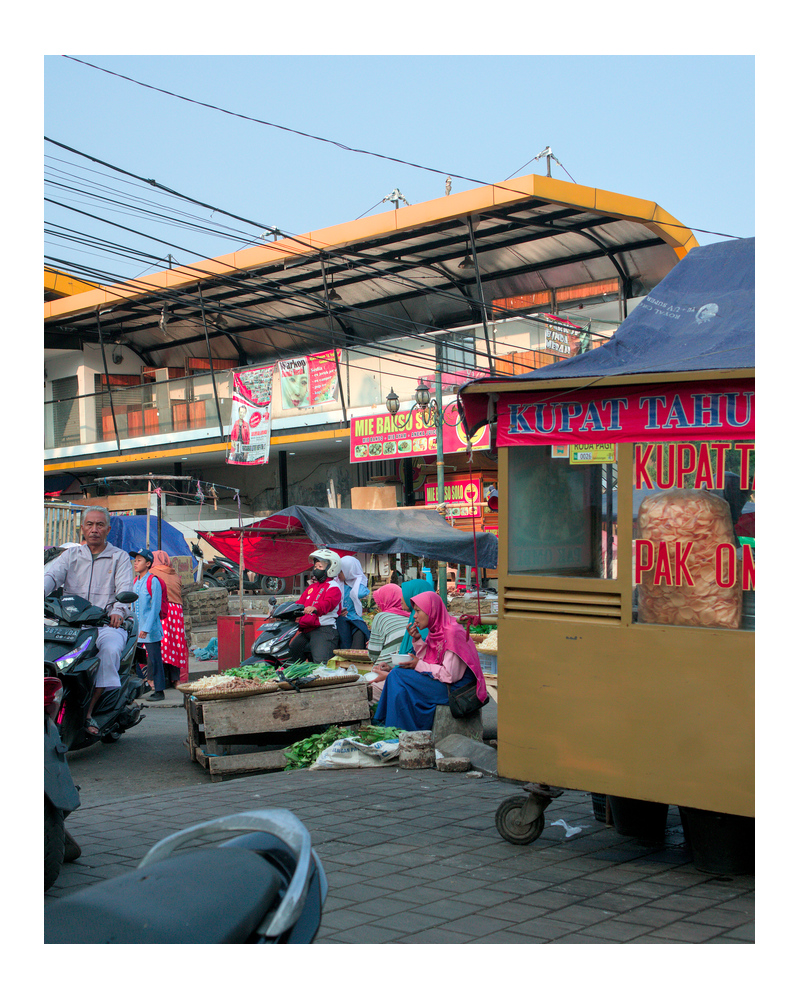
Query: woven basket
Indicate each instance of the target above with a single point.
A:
(358, 655)
(210, 694)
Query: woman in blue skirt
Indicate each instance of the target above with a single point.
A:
(447, 657)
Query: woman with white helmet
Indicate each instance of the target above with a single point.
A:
(321, 600)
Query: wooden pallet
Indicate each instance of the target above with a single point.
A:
(217, 728)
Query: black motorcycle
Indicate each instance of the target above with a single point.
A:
(275, 634)
(266, 887)
(60, 792)
(224, 572)
(71, 626)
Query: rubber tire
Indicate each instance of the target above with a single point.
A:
(507, 822)
(210, 582)
(273, 584)
(53, 843)
(72, 849)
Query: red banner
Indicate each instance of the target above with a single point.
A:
(409, 435)
(673, 412)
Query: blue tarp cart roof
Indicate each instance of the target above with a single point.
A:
(700, 317)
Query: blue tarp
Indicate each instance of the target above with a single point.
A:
(129, 533)
(700, 317)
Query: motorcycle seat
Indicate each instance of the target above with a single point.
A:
(205, 896)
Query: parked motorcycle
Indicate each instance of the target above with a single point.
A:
(224, 572)
(274, 635)
(60, 792)
(70, 654)
(265, 887)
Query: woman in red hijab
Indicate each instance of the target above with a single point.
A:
(447, 657)
(174, 651)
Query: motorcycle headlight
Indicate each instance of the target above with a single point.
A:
(264, 646)
(69, 658)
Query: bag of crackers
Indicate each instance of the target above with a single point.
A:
(691, 593)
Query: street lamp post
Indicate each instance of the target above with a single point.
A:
(433, 415)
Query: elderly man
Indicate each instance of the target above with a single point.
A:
(96, 571)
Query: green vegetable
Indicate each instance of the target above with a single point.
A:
(305, 752)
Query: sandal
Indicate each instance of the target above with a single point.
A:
(91, 724)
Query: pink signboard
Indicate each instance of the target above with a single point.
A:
(704, 412)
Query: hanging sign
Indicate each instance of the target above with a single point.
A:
(461, 492)
(592, 454)
(251, 418)
(696, 411)
(308, 381)
(409, 434)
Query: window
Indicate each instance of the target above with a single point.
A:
(561, 516)
(694, 534)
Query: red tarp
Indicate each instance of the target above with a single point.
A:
(265, 554)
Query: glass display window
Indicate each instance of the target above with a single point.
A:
(561, 513)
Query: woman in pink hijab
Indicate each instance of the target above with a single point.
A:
(447, 657)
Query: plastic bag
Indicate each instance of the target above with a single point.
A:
(352, 753)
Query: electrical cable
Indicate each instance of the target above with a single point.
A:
(333, 142)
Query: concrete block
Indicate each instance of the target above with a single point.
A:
(450, 764)
(445, 724)
(483, 758)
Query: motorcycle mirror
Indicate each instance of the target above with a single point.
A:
(126, 597)
(272, 601)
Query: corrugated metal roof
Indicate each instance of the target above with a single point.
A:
(393, 274)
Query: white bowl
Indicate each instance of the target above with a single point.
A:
(398, 659)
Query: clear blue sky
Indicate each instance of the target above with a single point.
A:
(677, 130)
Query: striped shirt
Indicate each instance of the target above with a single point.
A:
(386, 635)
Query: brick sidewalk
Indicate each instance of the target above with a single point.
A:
(414, 857)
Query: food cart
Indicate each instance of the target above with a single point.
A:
(626, 586)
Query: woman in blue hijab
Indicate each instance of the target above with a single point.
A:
(409, 590)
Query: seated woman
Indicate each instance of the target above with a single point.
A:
(448, 656)
(389, 627)
(409, 590)
(353, 632)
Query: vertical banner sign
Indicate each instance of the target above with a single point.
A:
(251, 417)
(308, 381)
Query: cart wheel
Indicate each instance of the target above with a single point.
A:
(508, 821)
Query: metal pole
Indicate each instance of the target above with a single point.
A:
(108, 382)
(211, 364)
(241, 597)
(480, 294)
(149, 493)
(442, 566)
(158, 510)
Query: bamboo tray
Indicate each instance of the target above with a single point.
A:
(215, 694)
(320, 682)
(356, 655)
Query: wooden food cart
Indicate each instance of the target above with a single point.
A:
(626, 560)
(233, 737)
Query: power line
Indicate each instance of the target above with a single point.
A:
(340, 145)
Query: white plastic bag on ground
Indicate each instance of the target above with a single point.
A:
(350, 752)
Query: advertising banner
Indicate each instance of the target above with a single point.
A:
(462, 491)
(409, 435)
(251, 417)
(308, 381)
(704, 411)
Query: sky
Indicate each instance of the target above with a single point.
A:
(678, 130)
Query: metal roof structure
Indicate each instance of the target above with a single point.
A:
(395, 274)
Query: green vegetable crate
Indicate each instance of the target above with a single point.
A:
(232, 738)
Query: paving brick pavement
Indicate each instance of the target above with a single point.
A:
(414, 857)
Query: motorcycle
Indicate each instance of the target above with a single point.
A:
(274, 635)
(265, 887)
(71, 655)
(224, 572)
(60, 792)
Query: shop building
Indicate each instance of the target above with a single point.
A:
(141, 377)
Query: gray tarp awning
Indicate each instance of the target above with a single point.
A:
(268, 544)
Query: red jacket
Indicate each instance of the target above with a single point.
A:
(325, 597)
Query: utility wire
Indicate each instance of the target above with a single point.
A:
(333, 142)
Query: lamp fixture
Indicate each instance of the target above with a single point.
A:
(431, 414)
(332, 294)
(467, 264)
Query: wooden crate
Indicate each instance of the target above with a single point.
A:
(215, 728)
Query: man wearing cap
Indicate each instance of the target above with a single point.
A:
(148, 612)
(96, 571)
